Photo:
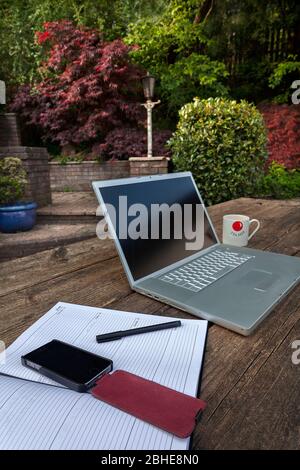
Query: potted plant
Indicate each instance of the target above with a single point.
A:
(15, 215)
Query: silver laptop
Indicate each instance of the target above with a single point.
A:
(177, 258)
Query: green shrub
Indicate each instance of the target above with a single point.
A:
(12, 180)
(223, 143)
(280, 183)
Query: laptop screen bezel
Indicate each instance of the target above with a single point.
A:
(97, 185)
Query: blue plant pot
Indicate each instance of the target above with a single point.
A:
(18, 217)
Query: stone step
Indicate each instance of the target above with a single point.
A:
(66, 219)
(42, 237)
(70, 208)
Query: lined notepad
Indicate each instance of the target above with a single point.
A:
(36, 413)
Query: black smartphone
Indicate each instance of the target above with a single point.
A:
(72, 367)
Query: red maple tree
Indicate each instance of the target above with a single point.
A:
(90, 86)
(126, 142)
(283, 126)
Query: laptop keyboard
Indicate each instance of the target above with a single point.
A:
(205, 270)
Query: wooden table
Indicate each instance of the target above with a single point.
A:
(250, 383)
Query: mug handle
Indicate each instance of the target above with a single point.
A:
(255, 230)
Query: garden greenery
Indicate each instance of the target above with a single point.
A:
(280, 183)
(223, 143)
(120, 144)
(250, 38)
(13, 180)
(172, 48)
(72, 69)
(283, 124)
(89, 86)
(283, 76)
(20, 55)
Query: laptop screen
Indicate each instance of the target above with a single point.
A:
(157, 222)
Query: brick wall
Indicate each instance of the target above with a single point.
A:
(35, 162)
(79, 176)
(140, 166)
(9, 130)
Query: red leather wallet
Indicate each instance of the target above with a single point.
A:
(149, 401)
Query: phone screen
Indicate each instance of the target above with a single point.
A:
(68, 361)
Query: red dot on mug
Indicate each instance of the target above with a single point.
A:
(237, 226)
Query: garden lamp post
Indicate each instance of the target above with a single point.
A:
(148, 86)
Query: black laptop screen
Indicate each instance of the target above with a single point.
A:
(157, 222)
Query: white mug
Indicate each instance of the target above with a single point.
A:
(236, 229)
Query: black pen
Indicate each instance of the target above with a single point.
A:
(136, 331)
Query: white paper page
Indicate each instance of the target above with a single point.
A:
(171, 357)
(42, 417)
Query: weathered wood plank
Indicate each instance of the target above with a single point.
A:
(30, 270)
(23, 272)
(96, 284)
(233, 369)
(250, 384)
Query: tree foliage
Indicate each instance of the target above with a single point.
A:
(19, 20)
(283, 124)
(242, 49)
(126, 142)
(89, 86)
(283, 75)
(173, 48)
(253, 37)
(250, 39)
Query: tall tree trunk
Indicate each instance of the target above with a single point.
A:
(204, 11)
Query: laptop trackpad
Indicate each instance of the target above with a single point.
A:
(258, 279)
